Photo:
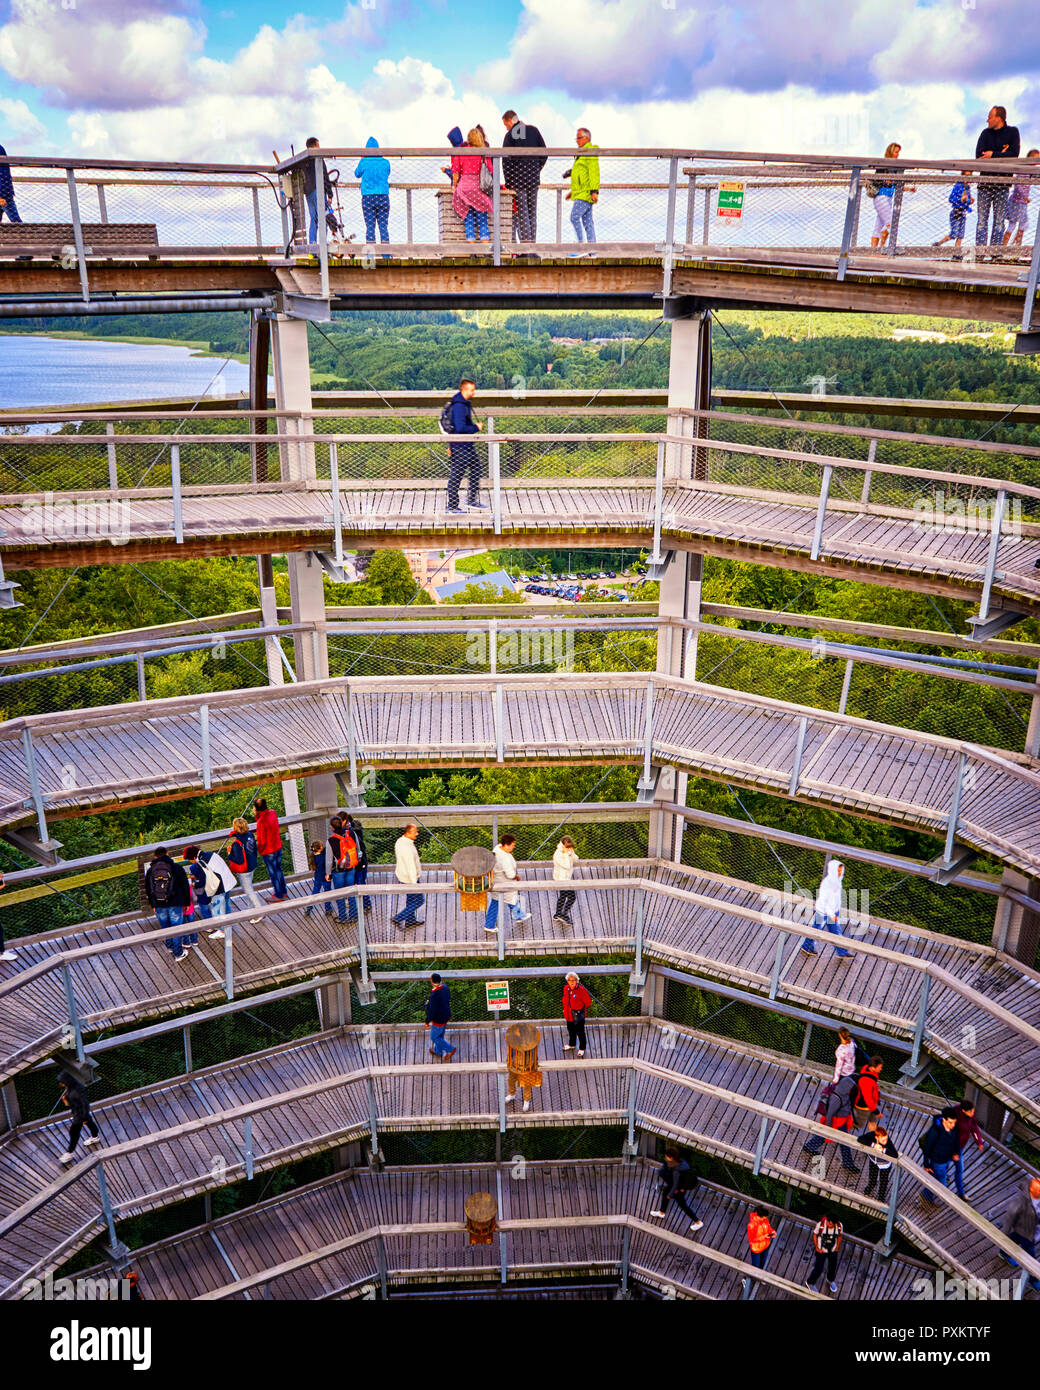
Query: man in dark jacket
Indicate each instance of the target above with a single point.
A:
(438, 1015)
(939, 1148)
(310, 184)
(998, 141)
(880, 1153)
(674, 1180)
(74, 1095)
(167, 889)
(7, 204)
(464, 459)
(1023, 1222)
(523, 176)
(836, 1107)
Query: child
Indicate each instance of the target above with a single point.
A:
(322, 880)
(960, 205)
(1018, 209)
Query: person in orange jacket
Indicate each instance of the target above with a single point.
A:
(760, 1234)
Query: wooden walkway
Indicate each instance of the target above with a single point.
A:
(100, 759)
(762, 527)
(248, 1243)
(187, 1135)
(701, 936)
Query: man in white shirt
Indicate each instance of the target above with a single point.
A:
(505, 872)
(407, 869)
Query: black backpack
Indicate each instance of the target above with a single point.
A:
(162, 882)
(447, 427)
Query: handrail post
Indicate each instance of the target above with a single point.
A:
(707, 214)
(35, 790)
(362, 941)
(106, 1205)
(774, 979)
(178, 501)
(495, 470)
(1034, 276)
(868, 473)
(207, 770)
(851, 220)
(113, 468)
(991, 555)
(632, 1115)
(499, 716)
(890, 1220)
(189, 1062)
(897, 208)
(408, 226)
(496, 201)
(846, 682)
(637, 966)
(626, 1241)
(381, 1258)
(73, 1012)
(761, 1147)
(492, 647)
(337, 510)
(955, 809)
(256, 217)
(501, 1102)
(323, 233)
(373, 1118)
(229, 961)
(922, 1014)
(352, 747)
(559, 215)
(691, 198)
(647, 781)
(247, 1147)
(673, 179)
(142, 686)
(799, 749)
(657, 558)
(821, 512)
(77, 234)
(102, 202)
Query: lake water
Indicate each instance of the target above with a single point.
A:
(43, 372)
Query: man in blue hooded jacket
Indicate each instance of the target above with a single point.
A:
(465, 461)
(7, 204)
(374, 173)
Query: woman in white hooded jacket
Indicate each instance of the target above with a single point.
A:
(564, 860)
(827, 916)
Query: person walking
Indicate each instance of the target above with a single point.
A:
(834, 1109)
(7, 203)
(998, 140)
(408, 870)
(343, 862)
(760, 1234)
(242, 855)
(74, 1095)
(967, 1132)
(438, 1016)
(6, 952)
(939, 1149)
(269, 845)
(674, 1180)
(961, 202)
(827, 913)
(576, 1002)
(205, 882)
(471, 176)
(1023, 1223)
(565, 856)
(880, 1152)
(844, 1055)
(219, 902)
(866, 1098)
(322, 878)
(463, 458)
(356, 830)
(523, 175)
(584, 194)
(882, 189)
(374, 173)
(505, 872)
(826, 1239)
(167, 889)
(310, 190)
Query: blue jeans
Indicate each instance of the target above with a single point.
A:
(360, 877)
(204, 910)
(516, 911)
(991, 196)
(345, 879)
(758, 1258)
(830, 924)
(173, 917)
(470, 224)
(274, 869)
(412, 903)
(437, 1040)
(940, 1171)
(320, 885)
(11, 210)
(375, 208)
(1029, 1246)
(219, 904)
(581, 217)
(958, 1174)
(312, 208)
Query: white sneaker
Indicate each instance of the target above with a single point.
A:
(579, 1053)
(183, 956)
(66, 1158)
(525, 917)
(657, 1213)
(527, 1105)
(254, 920)
(8, 955)
(91, 1140)
(510, 1097)
(217, 935)
(493, 930)
(567, 1047)
(696, 1225)
(833, 1288)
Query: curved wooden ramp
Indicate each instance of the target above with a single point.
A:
(89, 761)
(249, 1245)
(705, 924)
(184, 1136)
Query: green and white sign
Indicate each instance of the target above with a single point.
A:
(731, 200)
(497, 995)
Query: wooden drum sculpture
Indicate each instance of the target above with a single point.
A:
(522, 1041)
(481, 1217)
(473, 868)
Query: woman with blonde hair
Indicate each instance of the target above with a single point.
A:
(882, 188)
(472, 179)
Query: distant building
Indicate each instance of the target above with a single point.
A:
(431, 567)
(498, 580)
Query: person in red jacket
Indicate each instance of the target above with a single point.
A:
(866, 1099)
(269, 843)
(967, 1130)
(760, 1235)
(576, 999)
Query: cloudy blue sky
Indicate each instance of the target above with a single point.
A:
(230, 81)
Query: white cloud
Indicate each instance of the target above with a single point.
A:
(20, 125)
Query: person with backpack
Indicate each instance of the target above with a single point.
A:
(674, 1180)
(505, 872)
(242, 856)
(845, 1059)
(565, 857)
(167, 890)
(408, 870)
(760, 1235)
(269, 846)
(74, 1095)
(1022, 1224)
(880, 1153)
(205, 881)
(826, 1239)
(356, 829)
(322, 882)
(834, 1108)
(939, 1148)
(866, 1098)
(438, 1016)
(220, 897)
(343, 862)
(827, 911)
(457, 420)
(576, 1002)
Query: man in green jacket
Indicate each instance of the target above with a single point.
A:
(584, 188)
